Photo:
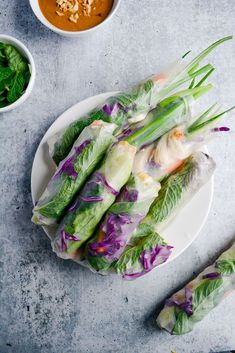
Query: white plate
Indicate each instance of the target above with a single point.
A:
(182, 231)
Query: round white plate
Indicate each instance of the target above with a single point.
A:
(181, 232)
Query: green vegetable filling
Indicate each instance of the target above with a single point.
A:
(14, 74)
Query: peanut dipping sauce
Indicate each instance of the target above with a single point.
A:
(75, 15)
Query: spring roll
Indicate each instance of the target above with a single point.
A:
(165, 155)
(122, 109)
(132, 106)
(121, 220)
(176, 190)
(96, 197)
(192, 303)
(72, 172)
(129, 107)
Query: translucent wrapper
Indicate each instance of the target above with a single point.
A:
(132, 106)
(121, 220)
(168, 153)
(123, 109)
(96, 197)
(192, 303)
(177, 189)
(145, 254)
(72, 172)
(146, 248)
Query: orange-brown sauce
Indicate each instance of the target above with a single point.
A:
(99, 11)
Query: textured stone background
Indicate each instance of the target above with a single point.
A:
(52, 306)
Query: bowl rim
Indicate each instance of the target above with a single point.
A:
(25, 51)
(36, 10)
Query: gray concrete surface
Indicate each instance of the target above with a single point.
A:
(52, 306)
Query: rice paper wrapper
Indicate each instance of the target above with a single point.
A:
(121, 220)
(168, 153)
(142, 256)
(98, 194)
(123, 109)
(178, 188)
(72, 172)
(193, 302)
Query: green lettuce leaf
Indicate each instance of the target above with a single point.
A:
(170, 194)
(66, 187)
(205, 298)
(130, 258)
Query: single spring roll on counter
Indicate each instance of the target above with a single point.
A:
(192, 303)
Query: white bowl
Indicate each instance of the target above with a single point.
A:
(26, 53)
(74, 34)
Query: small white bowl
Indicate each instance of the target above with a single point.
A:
(74, 34)
(26, 53)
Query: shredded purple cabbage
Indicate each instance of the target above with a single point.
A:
(154, 257)
(125, 133)
(129, 195)
(150, 259)
(111, 109)
(223, 128)
(88, 191)
(212, 275)
(101, 178)
(130, 276)
(117, 229)
(91, 198)
(187, 305)
(75, 205)
(64, 238)
(154, 164)
(67, 166)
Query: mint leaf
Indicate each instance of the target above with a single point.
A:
(3, 104)
(148, 86)
(182, 324)
(5, 73)
(14, 74)
(167, 200)
(205, 297)
(15, 60)
(16, 89)
(99, 263)
(226, 267)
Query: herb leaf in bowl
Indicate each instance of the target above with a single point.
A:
(14, 74)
